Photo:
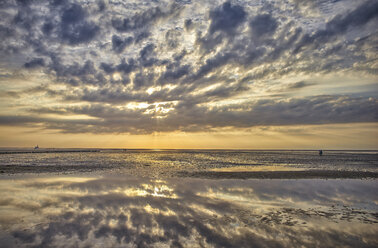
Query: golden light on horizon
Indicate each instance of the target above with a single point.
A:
(183, 77)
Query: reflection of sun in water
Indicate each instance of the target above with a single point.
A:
(161, 190)
(150, 209)
(155, 190)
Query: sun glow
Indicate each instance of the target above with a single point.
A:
(117, 76)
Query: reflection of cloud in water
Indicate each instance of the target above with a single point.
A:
(119, 211)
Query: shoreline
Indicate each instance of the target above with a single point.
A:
(302, 174)
(46, 151)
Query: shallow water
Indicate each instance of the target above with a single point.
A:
(122, 211)
(168, 162)
(146, 198)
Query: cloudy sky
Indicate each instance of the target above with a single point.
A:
(189, 74)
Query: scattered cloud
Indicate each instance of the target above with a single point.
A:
(187, 65)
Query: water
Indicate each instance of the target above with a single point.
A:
(122, 211)
(169, 162)
(146, 198)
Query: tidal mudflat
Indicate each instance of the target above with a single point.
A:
(189, 199)
(121, 211)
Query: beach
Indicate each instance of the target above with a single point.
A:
(195, 198)
(188, 123)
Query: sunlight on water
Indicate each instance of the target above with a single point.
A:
(258, 168)
(166, 163)
(122, 211)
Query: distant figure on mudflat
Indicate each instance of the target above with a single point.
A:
(320, 152)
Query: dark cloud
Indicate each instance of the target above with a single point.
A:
(300, 84)
(24, 236)
(263, 24)
(75, 29)
(170, 76)
(11, 94)
(119, 44)
(107, 68)
(143, 80)
(47, 28)
(361, 15)
(226, 18)
(212, 63)
(126, 67)
(36, 62)
(146, 55)
(59, 2)
(146, 51)
(143, 19)
(142, 36)
(300, 111)
(23, 19)
(224, 23)
(172, 38)
(340, 24)
(76, 74)
(188, 24)
(101, 5)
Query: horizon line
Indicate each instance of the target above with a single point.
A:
(250, 149)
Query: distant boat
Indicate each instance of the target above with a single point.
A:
(36, 147)
(320, 152)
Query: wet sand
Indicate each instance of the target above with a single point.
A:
(304, 174)
(164, 172)
(192, 163)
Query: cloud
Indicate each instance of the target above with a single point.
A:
(173, 74)
(11, 94)
(141, 36)
(357, 17)
(299, 85)
(36, 62)
(119, 44)
(188, 24)
(198, 58)
(263, 24)
(226, 18)
(340, 24)
(143, 19)
(172, 38)
(302, 111)
(75, 29)
(224, 23)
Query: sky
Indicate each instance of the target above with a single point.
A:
(275, 74)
